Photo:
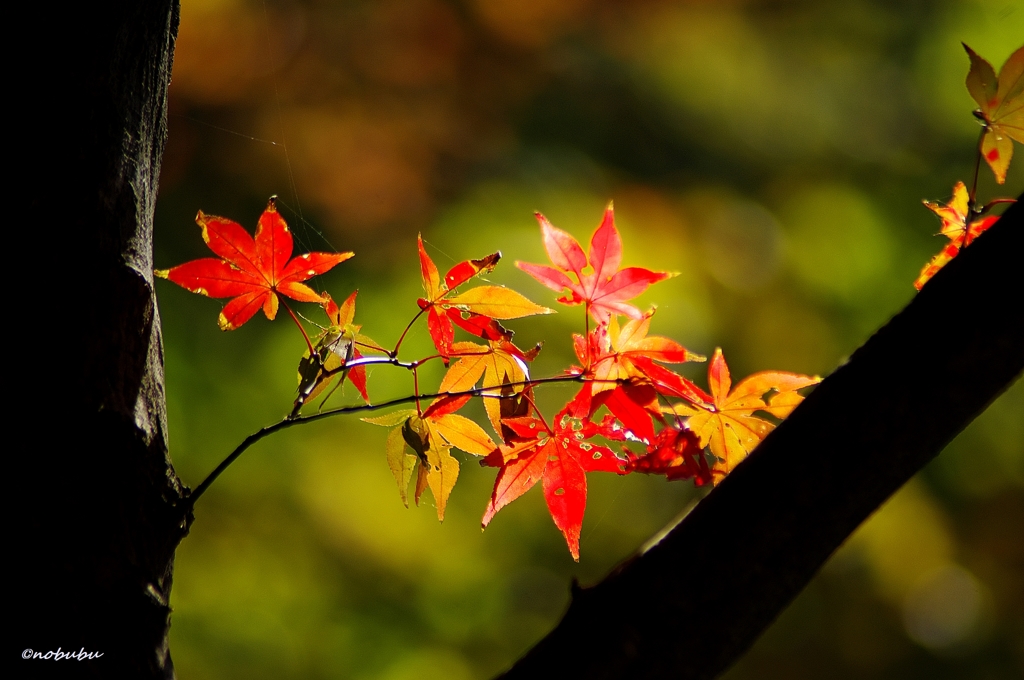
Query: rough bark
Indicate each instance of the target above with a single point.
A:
(693, 603)
(96, 524)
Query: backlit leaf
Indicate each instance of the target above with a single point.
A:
(559, 457)
(1001, 107)
(729, 426)
(474, 310)
(463, 434)
(253, 272)
(675, 453)
(336, 346)
(497, 302)
(422, 445)
(402, 463)
(954, 216)
(595, 279)
(442, 473)
(498, 363)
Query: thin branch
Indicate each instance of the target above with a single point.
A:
(328, 373)
(287, 422)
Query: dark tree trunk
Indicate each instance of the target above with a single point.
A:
(692, 604)
(97, 523)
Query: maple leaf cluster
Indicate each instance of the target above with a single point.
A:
(631, 412)
(1001, 113)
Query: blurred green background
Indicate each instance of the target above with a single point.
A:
(773, 153)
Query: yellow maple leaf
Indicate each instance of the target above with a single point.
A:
(1001, 102)
(729, 427)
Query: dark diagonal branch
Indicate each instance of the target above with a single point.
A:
(696, 601)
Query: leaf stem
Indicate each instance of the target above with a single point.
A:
(994, 202)
(416, 390)
(401, 338)
(586, 332)
(536, 410)
(309, 345)
(977, 168)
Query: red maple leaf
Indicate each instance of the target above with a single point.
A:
(675, 453)
(597, 280)
(617, 353)
(561, 458)
(253, 272)
(626, 374)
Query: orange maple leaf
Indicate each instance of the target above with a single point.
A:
(954, 217)
(729, 425)
(675, 453)
(500, 363)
